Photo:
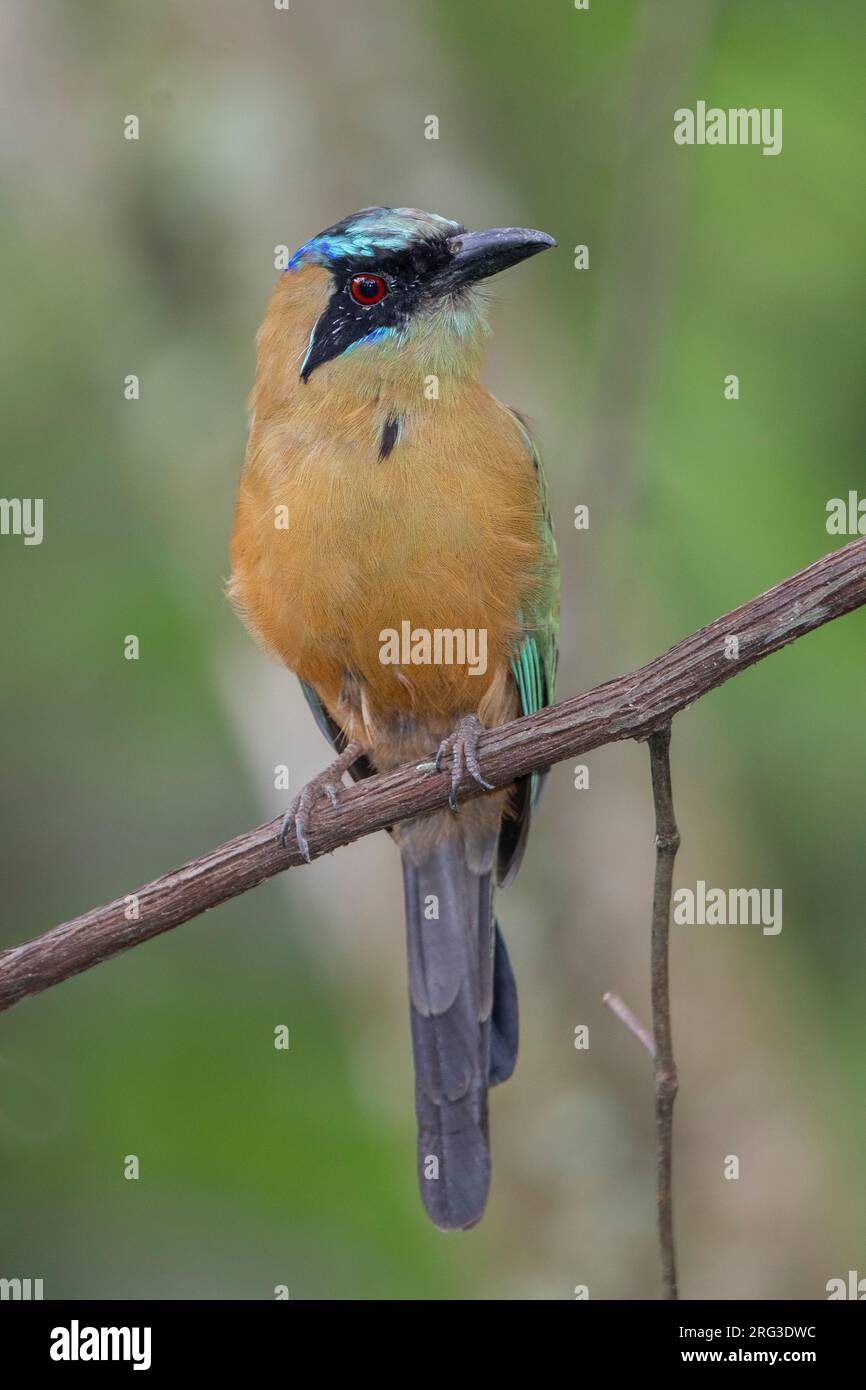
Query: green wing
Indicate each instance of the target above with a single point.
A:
(533, 666)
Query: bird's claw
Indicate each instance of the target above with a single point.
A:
(327, 785)
(462, 746)
(297, 816)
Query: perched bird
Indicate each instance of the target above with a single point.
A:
(391, 521)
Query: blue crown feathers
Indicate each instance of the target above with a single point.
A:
(371, 231)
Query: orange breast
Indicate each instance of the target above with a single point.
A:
(342, 562)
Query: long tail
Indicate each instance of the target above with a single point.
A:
(463, 1005)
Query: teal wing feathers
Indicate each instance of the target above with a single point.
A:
(533, 665)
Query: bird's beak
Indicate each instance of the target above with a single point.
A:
(475, 255)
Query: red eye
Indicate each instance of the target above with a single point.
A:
(367, 289)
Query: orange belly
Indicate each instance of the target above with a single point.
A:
(395, 584)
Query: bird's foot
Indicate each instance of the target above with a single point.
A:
(326, 785)
(462, 746)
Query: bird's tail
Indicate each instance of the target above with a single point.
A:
(463, 1005)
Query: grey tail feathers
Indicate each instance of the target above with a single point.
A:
(463, 1006)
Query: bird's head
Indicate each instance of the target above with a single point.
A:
(389, 295)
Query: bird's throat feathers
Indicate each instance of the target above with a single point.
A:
(405, 368)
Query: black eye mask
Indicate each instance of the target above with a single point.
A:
(411, 278)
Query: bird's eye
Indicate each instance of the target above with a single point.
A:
(367, 289)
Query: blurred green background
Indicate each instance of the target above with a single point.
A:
(156, 257)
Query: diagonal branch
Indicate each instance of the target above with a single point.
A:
(632, 706)
(633, 1024)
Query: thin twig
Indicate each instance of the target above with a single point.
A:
(667, 844)
(633, 1024)
(659, 1044)
(632, 706)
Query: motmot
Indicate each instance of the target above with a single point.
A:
(383, 486)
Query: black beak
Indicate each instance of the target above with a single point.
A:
(475, 255)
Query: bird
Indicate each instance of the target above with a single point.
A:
(387, 494)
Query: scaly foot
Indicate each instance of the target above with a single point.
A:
(463, 748)
(327, 784)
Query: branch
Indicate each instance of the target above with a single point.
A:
(632, 706)
(660, 1044)
(667, 844)
(633, 1024)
